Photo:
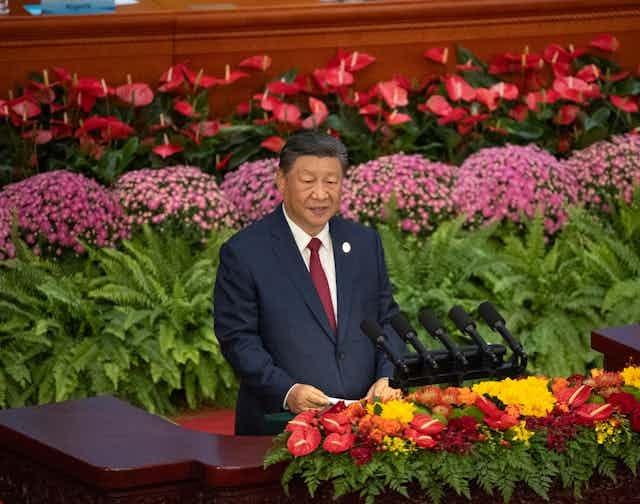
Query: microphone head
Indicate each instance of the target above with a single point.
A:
(460, 317)
(401, 325)
(430, 320)
(489, 314)
(371, 329)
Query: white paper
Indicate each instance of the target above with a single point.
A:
(336, 400)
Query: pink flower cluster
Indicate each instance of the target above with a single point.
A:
(511, 182)
(252, 189)
(607, 169)
(420, 188)
(58, 209)
(7, 249)
(181, 196)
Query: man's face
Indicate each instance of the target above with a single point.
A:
(311, 191)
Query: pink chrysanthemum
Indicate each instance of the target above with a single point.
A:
(511, 182)
(421, 190)
(607, 169)
(57, 209)
(252, 189)
(7, 249)
(181, 196)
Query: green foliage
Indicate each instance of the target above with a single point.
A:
(494, 468)
(135, 322)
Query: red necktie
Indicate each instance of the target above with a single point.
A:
(320, 281)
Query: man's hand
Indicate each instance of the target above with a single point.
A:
(383, 391)
(303, 397)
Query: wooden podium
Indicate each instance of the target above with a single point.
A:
(620, 345)
(103, 451)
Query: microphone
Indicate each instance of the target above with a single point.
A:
(465, 323)
(401, 325)
(433, 325)
(495, 321)
(375, 333)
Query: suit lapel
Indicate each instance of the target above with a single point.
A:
(345, 265)
(293, 267)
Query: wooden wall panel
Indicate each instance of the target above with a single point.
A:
(146, 39)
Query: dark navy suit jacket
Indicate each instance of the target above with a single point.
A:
(272, 327)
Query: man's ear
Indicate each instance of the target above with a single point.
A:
(280, 180)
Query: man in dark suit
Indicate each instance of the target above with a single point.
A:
(292, 289)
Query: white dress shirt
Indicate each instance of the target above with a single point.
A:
(325, 252)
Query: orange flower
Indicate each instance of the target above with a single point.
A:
(466, 396)
(450, 396)
(428, 396)
(513, 410)
(558, 385)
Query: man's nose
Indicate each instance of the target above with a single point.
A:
(320, 191)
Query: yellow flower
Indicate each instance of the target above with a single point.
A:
(596, 372)
(397, 445)
(530, 394)
(607, 431)
(521, 433)
(631, 376)
(394, 410)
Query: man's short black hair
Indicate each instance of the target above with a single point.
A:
(312, 143)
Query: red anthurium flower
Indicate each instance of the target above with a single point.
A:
(394, 118)
(626, 103)
(567, 115)
(338, 443)
(589, 73)
(115, 129)
(616, 76)
(336, 422)
(166, 149)
(138, 95)
(261, 62)
(624, 402)
(303, 420)
(222, 164)
(488, 407)
(41, 93)
(574, 396)
(303, 441)
(459, 89)
(199, 79)
(25, 108)
(371, 109)
(4, 108)
(319, 113)
(60, 129)
(606, 42)
(456, 115)
(506, 90)
(544, 96)
(595, 412)
(561, 70)
(91, 86)
(426, 424)
(39, 136)
(332, 77)
(355, 61)
(468, 67)
(502, 422)
(273, 143)
(62, 74)
(576, 52)
(243, 109)
(487, 97)
(362, 455)
(284, 88)
(419, 438)
(520, 112)
(286, 112)
(572, 88)
(267, 101)
(205, 128)
(230, 76)
(172, 78)
(438, 105)
(508, 63)
(371, 123)
(184, 108)
(438, 54)
(554, 53)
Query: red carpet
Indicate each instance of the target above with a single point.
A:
(211, 421)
